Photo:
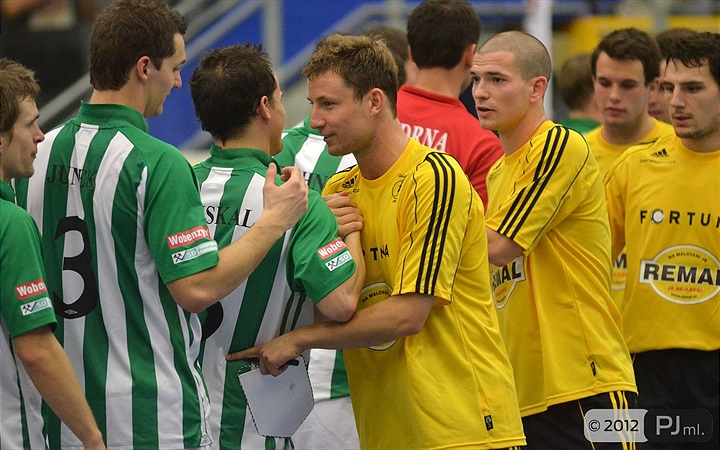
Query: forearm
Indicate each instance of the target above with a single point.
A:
(52, 374)
(389, 320)
(383, 322)
(238, 260)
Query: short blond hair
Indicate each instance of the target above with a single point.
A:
(363, 62)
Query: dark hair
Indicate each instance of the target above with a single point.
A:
(363, 62)
(17, 83)
(227, 87)
(440, 30)
(574, 81)
(126, 31)
(396, 41)
(698, 50)
(630, 44)
(665, 38)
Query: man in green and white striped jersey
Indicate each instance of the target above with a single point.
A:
(127, 252)
(238, 100)
(32, 362)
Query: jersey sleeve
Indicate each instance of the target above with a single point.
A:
(320, 260)
(174, 223)
(616, 183)
(24, 298)
(548, 189)
(433, 216)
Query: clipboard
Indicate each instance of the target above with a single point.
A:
(278, 405)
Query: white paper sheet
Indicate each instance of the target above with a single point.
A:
(278, 405)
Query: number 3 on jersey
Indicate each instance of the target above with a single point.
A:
(79, 264)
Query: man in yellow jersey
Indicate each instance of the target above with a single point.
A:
(625, 69)
(663, 203)
(549, 245)
(427, 367)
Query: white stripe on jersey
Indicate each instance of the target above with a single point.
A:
(310, 152)
(117, 392)
(213, 188)
(36, 184)
(320, 371)
(11, 368)
(347, 161)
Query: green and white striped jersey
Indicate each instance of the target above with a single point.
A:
(305, 265)
(304, 148)
(24, 306)
(120, 217)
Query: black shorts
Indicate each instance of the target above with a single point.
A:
(679, 379)
(562, 426)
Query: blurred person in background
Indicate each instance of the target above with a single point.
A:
(575, 86)
(443, 36)
(626, 69)
(49, 36)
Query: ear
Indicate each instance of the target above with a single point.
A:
(409, 55)
(263, 109)
(141, 68)
(468, 55)
(538, 86)
(377, 100)
(655, 84)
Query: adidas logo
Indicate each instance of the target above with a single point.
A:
(660, 154)
(349, 183)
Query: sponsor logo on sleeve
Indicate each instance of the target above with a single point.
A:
(188, 237)
(331, 249)
(338, 261)
(27, 290)
(195, 252)
(35, 306)
(334, 254)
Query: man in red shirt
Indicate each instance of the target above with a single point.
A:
(443, 36)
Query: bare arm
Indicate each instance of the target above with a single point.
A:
(51, 372)
(501, 250)
(283, 207)
(394, 318)
(341, 302)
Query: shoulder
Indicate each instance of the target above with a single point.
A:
(557, 139)
(434, 168)
(345, 180)
(655, 150)
(15, 221)
(14, 213)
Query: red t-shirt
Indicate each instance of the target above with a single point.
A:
(444, 124)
